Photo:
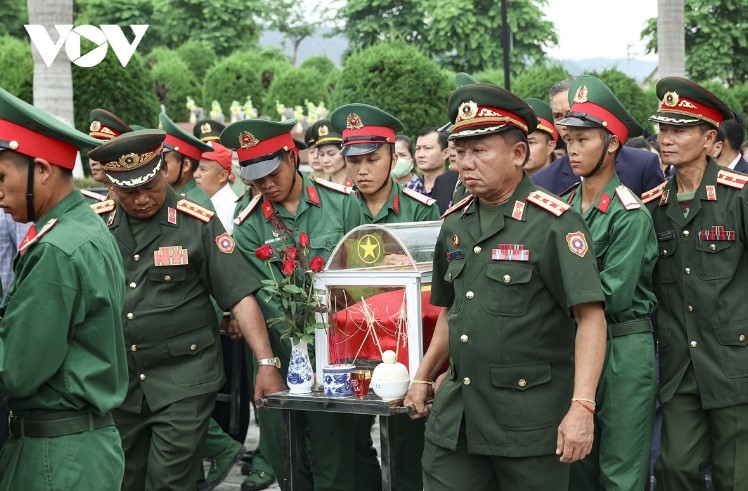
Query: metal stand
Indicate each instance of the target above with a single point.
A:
(371, 405)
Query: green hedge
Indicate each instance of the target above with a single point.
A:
(174, 82)
(293, 87)
(17, 74)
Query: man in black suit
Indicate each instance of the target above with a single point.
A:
(638, 170)
(728, 142)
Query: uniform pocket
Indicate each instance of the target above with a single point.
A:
(165, 285)
(198, 362)
(523, 396)
(507, 292)
(733, 348)
(666, 269)
(715, 259)
(454, 270)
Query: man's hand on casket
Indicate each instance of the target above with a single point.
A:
(417, 397)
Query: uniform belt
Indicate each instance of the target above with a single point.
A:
(57, 423)
(630, 327)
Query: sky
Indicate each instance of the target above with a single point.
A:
(600, 28)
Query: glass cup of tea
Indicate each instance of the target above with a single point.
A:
(360, 381)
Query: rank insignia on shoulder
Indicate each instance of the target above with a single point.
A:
(194, 210)
(32, 236)
(627, 198)
(331, 185)
(653, 193)
(104, 206)
(549, 203)
(92, 195)
(732, 179)
(246, 211)
(463, 203)
(421, 198)
(577, 243)
(225, 243)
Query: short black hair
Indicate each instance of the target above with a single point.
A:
(405, 139)
(638, 142)
(733, 130)
(513, 136)
(443, 136)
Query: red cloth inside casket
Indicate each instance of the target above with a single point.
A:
(349, 338)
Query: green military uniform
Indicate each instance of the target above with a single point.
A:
(175, 262)
(104, 126)
(325, 214)
(509, 274)
(62, 354)
(196, 194)
(624, 416)
(403, 205)
(700, 284)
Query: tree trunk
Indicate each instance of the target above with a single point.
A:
(671, 42)
(53, 86)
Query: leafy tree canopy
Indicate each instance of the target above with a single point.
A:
(17, 75)
(633, 98)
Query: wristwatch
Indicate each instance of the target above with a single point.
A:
(275, 362)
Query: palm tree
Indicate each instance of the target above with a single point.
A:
(671, 42)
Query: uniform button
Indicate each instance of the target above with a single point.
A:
(688, 270)
(142, 376)
(469, 295)
(694, 344)
(133, 285)
(130, 315)
(521, 382)
(466, 381)
(741, 338)
(507, 278)
(686, 233)
(464, 338)
(712, 247)
(167, 277)
(136, 257)
(664, 251)
(477, 249)
(690, 308)
(134, 347)
(450, 276)
(193, 347)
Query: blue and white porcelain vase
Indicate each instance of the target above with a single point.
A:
(300, 376)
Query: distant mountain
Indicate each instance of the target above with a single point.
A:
(335, 46)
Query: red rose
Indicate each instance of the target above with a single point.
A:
(292, 252)
(288, 267)
(264, 253)
(317, 264)
(304, 240)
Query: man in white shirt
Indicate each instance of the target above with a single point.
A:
(214, 176)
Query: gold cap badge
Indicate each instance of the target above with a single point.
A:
(354, 122)
(247, 140)
(95, 126)
(670, 99)
(323, 130)
(581, 95)
(467, 110)
(205, 128)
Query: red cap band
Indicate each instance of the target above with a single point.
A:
(266, 147)
(548, 127)
(487, 116)
(35, 144)
(674, 103)
(612, 123)
(381, 131)
(183, 147)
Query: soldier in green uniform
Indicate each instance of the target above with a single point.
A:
(182, 153)
(701, 219)
(62, 353)
(290, 204)
(511, 264)
(177, 257)
(104, 126)
(624, 243)
(367, 135)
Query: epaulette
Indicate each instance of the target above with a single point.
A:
(246, 211)
(104, 206)
(653, 193)
(331, 185)
(732, 179)
(91, 194)
(573, 186)
(194, 210)
(459, 205)
(30, 240)
(549, 203)
(628, 200)
(421, 198)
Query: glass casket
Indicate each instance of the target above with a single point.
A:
(376, 287)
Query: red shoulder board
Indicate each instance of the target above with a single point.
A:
(331, 185)
(654, 193)
(421, 198)
(91, 194)
(732, 179)
(246, 211)
(32, 238)
(459, 205)
(549, 203)
(194, 210)
(628, 200)
(104, 206)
